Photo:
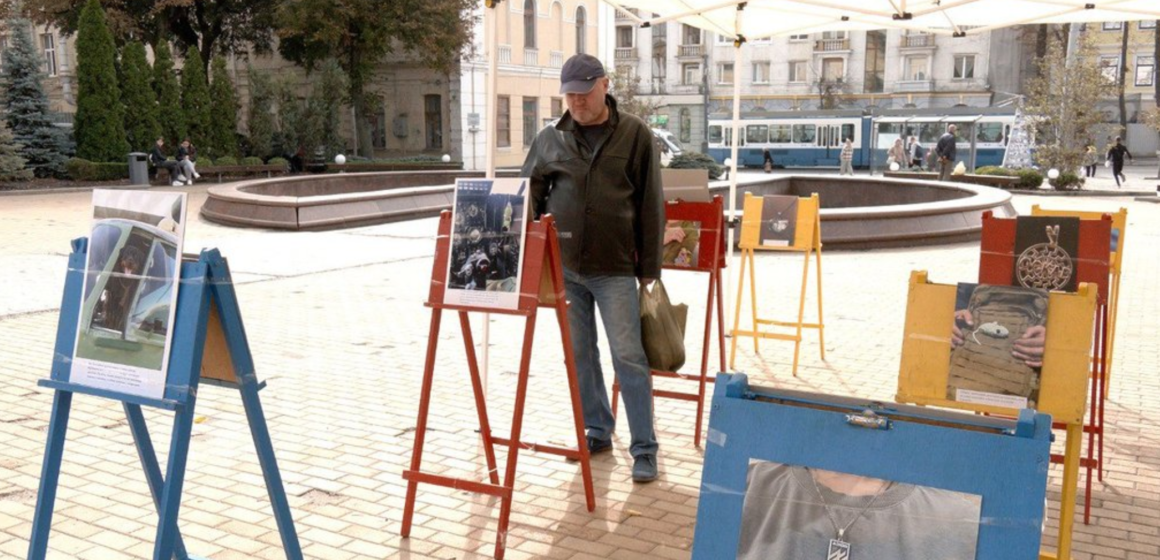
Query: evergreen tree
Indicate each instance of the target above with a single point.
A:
(223, 117)
(261, 120)
(141, 125)
(11, 164)
(170, 116)
(195, 101)
(99, 123)
(44, 147)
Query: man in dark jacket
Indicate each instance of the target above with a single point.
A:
(597, 171)
(1116, 155)
(158, 159)
(945, 151)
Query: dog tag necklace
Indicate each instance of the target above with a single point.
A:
(839, 548)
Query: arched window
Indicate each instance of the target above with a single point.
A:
(530, 24)
(686, 125)
(581, 30)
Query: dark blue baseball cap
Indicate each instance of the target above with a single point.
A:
(580, 73)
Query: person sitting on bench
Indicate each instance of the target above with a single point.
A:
(157, 158)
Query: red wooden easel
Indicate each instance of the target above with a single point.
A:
(710, 260)
(996, 266)
(542, 285)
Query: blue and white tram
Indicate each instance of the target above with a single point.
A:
(990, 127)
(794, 138)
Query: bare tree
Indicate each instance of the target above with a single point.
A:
(626, 90)
(1123, 81)
(1061, 105)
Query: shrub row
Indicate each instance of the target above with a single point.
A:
(1029, 179)
(83, 170)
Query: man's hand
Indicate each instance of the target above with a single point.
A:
(1029, 347)
(646, 282)
(958, 336)
(675, 233)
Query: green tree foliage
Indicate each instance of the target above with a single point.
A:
(141, 126)
(44, 147)
(223, 114)
(11, 164)
(1061, 105)
(99, 124)
(170, 116)
(261, 123)
(195, 100)
(312, 123)
(359, 33)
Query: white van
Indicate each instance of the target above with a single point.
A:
(668, 144)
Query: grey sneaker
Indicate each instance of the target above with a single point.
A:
(644, 468)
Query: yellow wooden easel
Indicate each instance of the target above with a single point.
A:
(925, 367)
(808, 241)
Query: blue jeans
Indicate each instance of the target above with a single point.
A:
(619, 301)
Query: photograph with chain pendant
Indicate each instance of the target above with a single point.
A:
(778, 221)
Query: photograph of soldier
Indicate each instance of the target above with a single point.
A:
(997, 343)
(113, 304)
(778, 221)
(793, 512)
(682, 243)
(486, 237)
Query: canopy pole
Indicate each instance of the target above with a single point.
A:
(491, 25)
(734, 220)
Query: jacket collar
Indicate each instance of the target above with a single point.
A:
(567, 123)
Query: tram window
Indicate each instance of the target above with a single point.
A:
(929, 133)
(990, 133)
(804, 133)
(780, 134)
(847, 132)
(962, 132)
(715, 134)
(757, 134)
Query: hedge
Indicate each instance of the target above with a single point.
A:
(697, 160)
(1067, 181)
(84, 170)
(252, 161)
(225, 160)
(1029, 179)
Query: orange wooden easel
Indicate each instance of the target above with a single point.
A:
(542, 285)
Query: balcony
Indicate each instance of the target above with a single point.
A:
(531, 57)
(622, 15)
(914, 86)
(831, 45)
(691, 51)
(505, 54)
(920, 41)
(686, 89)
(556, 59)
(626, 53)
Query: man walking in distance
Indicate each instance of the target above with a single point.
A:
(598, 172)
(1116, 155)
(945, 152)
(847, 158)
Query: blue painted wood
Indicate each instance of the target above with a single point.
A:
(49, 475)
(1009, 471)
(103, 393)
(70, 306)
(149, 464)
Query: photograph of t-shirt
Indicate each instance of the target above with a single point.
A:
(790, 513)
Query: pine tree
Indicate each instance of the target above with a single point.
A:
(44, 147)
(140, 102)
(223, 117)
(100, 122)
(11, 164)
(261, 119)
(170, 116)
(195, 101)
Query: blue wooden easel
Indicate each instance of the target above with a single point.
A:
(203, 281)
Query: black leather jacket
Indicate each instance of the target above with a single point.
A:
(608, 202)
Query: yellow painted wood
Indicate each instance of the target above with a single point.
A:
(926, 351)
(807, 235)
(1069, 488)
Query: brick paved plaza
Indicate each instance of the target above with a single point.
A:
(338, 328)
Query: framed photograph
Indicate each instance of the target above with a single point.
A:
(133, 268)
(1045, 252)
(998, 339)
(792, 511)
(487, 240)
(778, 220)
(682, 243)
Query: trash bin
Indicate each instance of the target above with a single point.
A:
(138, 168)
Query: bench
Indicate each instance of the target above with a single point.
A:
(161, 175)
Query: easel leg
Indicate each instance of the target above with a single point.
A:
(421, 422)
(577, 406)
(148, 456)
(509, 475)
(265, 449)
(737, 312)
(49, 475)
(720, 317)
(1070, 485)
(174, 481)
(753, 297)
(797, 343)
(480, 398)
(704, 362)
(821, 322)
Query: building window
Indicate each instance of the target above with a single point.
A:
(503, 122)
(724, 40)
(557, 107)
(624, 36)
(581, 30)
(690, 35)
(917, 68)
(1145, 71)
(964, 66)
(1113, 25)
(690, 73)
(433, 113)
(685, 125)
(833, 35)
(833, 69)
(725, 73)
(1148, 24)
(531, 117)
(761, 72)
(1110, 66)
(378, 125)
(529, 24)
(798, 71)
(49, 54)
(799, 38)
